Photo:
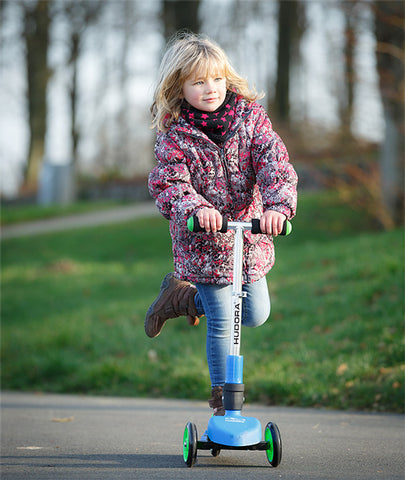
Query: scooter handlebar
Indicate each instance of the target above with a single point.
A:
(287, 227)
(194, 226)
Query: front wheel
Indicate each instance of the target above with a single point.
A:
(273, 438)
(190, 444)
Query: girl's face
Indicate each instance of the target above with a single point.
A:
(205, 93)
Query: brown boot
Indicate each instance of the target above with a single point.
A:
(175, 299)
(215, 401)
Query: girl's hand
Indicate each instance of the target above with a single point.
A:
(210, 219)
(272, 222)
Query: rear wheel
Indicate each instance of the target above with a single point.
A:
(273, 438)
(190, 444)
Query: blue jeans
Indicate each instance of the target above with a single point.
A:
(215, 302)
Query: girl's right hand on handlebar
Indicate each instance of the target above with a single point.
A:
(210, 219)
(272, 222)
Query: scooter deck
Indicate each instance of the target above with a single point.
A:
(208, 445)
(234, 429)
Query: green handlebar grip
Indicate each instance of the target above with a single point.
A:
(287, 228)
(190, 224)
(194, 225)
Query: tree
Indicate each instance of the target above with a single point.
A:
(180, 15)
(80, 14)
(36, 39)
(389, 29)
(350, 18)
(289, 33)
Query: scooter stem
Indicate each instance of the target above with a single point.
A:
(237, 293)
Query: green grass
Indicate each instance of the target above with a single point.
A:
(73, 307)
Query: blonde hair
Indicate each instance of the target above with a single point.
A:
(188, 54)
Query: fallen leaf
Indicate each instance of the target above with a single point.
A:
(385, 370)
(63, 265)
(153, 356)
(63, 420)
(342, 369)
(29, 448)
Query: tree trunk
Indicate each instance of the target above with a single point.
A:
(180, 15)
(350, 40)
(80, 15)
(287, 26)
(36, 36)
(74, 131)
(389, 16)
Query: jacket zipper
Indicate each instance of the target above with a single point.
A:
(221, 151)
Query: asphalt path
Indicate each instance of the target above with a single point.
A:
(68, 437)
(91, 219)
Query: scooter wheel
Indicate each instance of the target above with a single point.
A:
(215, 452)
(273, 438)
(190, 444)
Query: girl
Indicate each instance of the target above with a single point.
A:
(216, 155)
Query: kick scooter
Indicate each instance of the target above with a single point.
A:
(234, 431)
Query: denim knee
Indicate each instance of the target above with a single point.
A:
(256, 305)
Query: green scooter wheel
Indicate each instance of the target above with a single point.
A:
(273, 438)
(190, 444)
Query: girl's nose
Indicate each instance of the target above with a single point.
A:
(210, 86)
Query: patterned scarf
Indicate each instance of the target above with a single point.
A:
(214, 124)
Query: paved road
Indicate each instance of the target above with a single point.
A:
(67, 437)
(113, 215)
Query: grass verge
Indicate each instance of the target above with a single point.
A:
(73, 306)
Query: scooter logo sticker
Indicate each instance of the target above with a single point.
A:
(236, 324)
(235, 420)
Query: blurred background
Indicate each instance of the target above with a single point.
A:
(78, 77)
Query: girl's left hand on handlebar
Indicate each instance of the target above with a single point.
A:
(272, 222)
(210, 219)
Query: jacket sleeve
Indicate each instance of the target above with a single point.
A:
(275, 176)
(170, 183)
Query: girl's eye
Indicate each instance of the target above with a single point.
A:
(218, 79)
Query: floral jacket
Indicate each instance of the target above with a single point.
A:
(246, 175)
